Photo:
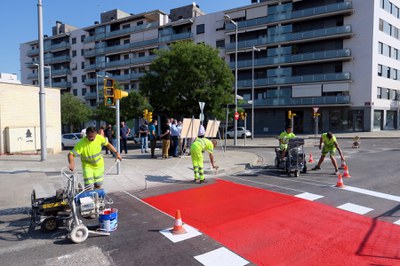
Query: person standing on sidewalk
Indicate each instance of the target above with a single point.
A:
(89, 149)
(124, 132)
(144, 133)
(175, 138)
(166, 139)
(330, 146)
(153, 137)
(200, 145)
(108, 134)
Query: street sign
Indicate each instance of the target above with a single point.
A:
(236, 116)
(201, 117)
(201, 104)
(315, 109)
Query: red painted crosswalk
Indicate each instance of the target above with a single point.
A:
(269, 228)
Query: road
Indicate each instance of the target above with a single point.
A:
(247, 213)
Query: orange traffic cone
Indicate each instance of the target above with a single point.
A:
(339, 181)
(311, 160)
(178, 228)
(346, 172)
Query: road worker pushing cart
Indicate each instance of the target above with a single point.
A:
(197, 148)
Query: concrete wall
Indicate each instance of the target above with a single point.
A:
(19, 109)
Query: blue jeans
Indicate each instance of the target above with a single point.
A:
(175, 145)
(143, 141)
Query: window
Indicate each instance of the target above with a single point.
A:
(83, 91)
(75, 92)
(82, 52)
(73, 53)
(83, 77)
(380, 70)
(83, 38)
(200, 29)
(74, 80)
(126, 26)
(73, 40)
(220, 43)
(82, 65)
(139, 23)
(380, 48)
(379, 93)
(126, 57)
(141, 54)
(126, 41)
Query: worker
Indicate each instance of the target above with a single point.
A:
(330, 146)
(89, 149)
(284, 140)
(197, 148)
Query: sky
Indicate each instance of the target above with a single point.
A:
(19, 20)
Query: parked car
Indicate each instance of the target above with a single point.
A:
(240, 132)
(70, 139)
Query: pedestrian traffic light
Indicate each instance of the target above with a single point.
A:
(109, 92)
(150, 116)
(145, 113)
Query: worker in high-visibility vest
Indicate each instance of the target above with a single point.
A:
(197, 148)
(89, 149)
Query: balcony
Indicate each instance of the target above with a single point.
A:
(117, 48)
(32, 52)
(288, 80)
(293, 59)
(60, 72)
(144, 43)
(57, 59)
(59, 46)
(336, 8)
(315, 101)
(62, 84)
(334, 32)
(90, 96)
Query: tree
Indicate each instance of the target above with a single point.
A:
(184, 75)
(74, 112)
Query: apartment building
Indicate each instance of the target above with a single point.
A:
(340, 57)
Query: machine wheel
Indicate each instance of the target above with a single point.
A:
(297, 173)
(49, 224)
(70, 224)
(79, 233)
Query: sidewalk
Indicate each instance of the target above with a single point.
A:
(20, 174)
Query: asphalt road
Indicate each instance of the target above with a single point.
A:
(373, 168)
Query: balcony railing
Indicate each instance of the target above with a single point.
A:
(62, 84)
(272, 81)
(287, 59)
(291, 37)
(324, 100)
(333, 8)
(51, 60)
(90, 96)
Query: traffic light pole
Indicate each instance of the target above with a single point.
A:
(118, 132)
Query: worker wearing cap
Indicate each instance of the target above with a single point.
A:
(197, 148)
(89, 149)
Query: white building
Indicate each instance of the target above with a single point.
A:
(339, 56)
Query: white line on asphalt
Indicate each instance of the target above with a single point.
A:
(372, 193)
(355, 208)
(309, 196)
(221, 256)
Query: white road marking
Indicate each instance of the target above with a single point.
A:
(355, 208)
(220, 257)
(309, 196)
(372, 193)
(190, 232)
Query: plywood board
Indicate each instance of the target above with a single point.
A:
(190, 128)
(212, 128)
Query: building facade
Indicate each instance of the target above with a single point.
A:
(340, 57)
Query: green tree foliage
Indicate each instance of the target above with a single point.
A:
(184, 75)
(74, 112)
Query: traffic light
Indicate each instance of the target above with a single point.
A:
(150, 116)
(145, 113)
(242, 115)
(119, 94)
(289, 114)
(109, 92)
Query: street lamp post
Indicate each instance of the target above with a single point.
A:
(228, 19)
(49, 68)
(252, 91)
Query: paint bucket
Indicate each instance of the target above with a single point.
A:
(108, 220)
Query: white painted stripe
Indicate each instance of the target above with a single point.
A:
(355, 208)
(397, 222)
(220, 257)
(373, 193)
(309, 196)
(190, 232)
